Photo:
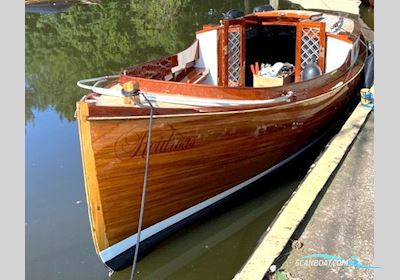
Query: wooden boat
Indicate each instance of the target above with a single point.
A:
(213, 132)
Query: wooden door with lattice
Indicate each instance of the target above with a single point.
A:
(233, 55)
(310, 46)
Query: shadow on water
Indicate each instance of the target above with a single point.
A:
(80, 41)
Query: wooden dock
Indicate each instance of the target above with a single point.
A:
(279, 233)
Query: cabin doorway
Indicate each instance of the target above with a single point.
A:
(269, 44)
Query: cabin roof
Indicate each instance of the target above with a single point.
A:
(283, 15)
(332, 21)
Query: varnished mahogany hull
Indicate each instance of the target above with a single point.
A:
(194, 158)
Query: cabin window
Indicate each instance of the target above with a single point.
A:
(269, 44)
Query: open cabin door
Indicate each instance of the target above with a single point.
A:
(232, 54)
(310, 46)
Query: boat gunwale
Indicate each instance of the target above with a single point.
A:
(279, 106)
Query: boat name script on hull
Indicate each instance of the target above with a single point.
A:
(134, 144)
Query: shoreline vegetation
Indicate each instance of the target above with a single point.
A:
(92, 40)
(37, 2)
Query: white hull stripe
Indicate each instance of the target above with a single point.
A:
(118, 248)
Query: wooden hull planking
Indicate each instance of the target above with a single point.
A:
(201, 154)
(227, 148)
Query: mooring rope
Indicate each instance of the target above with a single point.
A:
(146, 171)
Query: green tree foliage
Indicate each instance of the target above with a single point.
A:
(93, 40)
(97, 40)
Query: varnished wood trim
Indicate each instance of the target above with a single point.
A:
(220, 56)
(91, 181)
(322, 51)
(300, 96)
(225, 53)
(105, 111)
(297, 64)
(286, 23)
(242, 53)
(281, 15)
(209, 27)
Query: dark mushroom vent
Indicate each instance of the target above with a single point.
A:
(263, 8)
(232, 14)
(310, 71)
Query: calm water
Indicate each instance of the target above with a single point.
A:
(91, 40)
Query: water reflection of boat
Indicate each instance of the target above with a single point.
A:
(217, 126)
(225, 230)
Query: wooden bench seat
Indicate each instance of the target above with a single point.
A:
(192, 75)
